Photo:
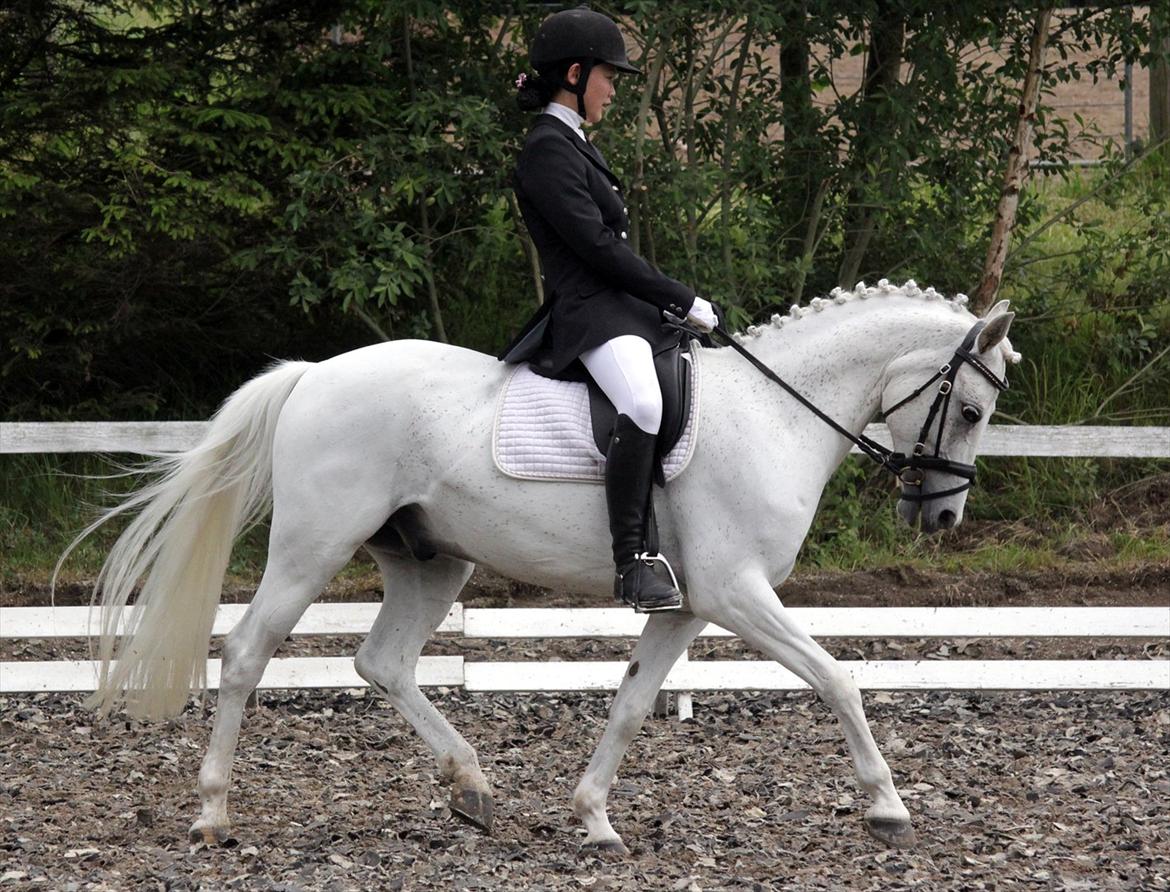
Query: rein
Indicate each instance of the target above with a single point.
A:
(909, 469)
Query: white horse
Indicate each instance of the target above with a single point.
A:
(388, 447)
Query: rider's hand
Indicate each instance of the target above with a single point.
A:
(702, 315)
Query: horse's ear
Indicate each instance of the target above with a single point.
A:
(1001, 307)
(996, 329)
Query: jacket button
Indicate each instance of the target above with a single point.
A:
(615, 188)
(624, 235)
(626, 211)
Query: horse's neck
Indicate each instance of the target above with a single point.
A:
(840, 357)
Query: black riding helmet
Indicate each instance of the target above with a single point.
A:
(579, 35)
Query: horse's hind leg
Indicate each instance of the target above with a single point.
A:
(418, 595)
(293, 579)
(753, 612)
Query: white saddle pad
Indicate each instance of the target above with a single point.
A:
(543, 429)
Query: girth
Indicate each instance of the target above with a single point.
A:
(673, 366)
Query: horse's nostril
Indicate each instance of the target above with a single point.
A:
(946, 519)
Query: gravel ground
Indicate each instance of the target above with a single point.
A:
(333, 790)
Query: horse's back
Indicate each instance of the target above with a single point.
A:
(392, 406)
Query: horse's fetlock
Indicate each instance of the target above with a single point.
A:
(587, 799)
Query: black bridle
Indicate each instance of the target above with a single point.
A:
(909, 469)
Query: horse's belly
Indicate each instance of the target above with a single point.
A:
(549, 534)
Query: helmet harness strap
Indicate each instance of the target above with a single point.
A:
(579, 88)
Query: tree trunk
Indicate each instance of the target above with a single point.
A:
(887, 37)
(798, 177)
(423, 213)
(638, 190)
(691, 227)
(529, 248)
(729, 154)
(1160, 91)
(813, 234)
(1015, 171)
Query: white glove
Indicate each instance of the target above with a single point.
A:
(702, 315)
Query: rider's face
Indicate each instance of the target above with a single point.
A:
(599, 89)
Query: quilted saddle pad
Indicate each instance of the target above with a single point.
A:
(543, 430)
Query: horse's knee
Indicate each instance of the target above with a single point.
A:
(838, 689)
(368, 670)
(588, 798)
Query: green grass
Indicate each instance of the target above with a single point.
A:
(47, 499)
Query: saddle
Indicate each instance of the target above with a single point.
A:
(559, 429)
(673, 365)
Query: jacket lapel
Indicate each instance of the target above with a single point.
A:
(585, 147)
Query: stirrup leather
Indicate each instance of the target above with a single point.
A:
(650, 559)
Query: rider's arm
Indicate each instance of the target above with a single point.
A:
(553, 175)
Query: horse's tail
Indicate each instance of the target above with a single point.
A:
(179, 543)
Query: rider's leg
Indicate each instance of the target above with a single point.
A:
(624, 368)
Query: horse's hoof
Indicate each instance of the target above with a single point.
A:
(208, 835)
(898, 834)
(474, 807)
(606, 847)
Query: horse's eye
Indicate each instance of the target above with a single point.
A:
(972, 413)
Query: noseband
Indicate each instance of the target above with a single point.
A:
(909, 469)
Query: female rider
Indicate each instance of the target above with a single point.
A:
(605, 304)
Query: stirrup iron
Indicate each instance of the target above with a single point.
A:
(649, 560)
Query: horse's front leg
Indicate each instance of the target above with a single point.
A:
(753, 612)
(665, 637)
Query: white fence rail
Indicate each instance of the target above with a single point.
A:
(1070, 441)
(687, 675)
(346, 619)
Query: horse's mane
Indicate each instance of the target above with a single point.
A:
(840, 296)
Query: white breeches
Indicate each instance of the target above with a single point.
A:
(624, 369)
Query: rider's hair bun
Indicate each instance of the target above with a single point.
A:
(535, 90)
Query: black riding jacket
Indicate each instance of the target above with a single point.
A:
(596, 287)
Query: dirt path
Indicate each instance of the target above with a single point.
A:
(334, 791)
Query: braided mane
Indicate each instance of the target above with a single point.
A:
(863, 292)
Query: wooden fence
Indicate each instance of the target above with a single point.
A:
(1070, 441)
(687, 675)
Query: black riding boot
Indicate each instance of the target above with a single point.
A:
(628, 479)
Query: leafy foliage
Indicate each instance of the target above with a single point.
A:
(187, 189)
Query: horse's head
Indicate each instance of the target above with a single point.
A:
(938, 404)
